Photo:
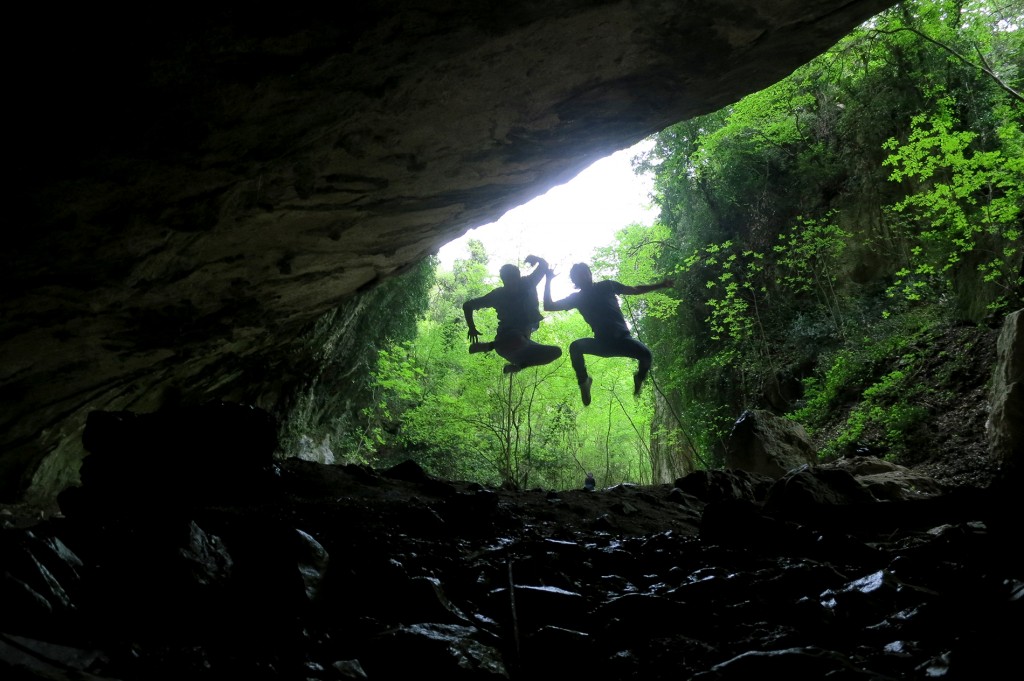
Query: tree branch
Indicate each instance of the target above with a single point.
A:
(983, 67)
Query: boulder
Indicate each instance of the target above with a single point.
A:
(761, 442)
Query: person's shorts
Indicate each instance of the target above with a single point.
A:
(508, 345)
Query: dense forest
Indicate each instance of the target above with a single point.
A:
(820, 235)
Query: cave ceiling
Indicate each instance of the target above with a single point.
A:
(193, 190)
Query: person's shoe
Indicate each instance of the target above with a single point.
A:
(511, 368)
(480, 347)
(638, 383)
(585, 390)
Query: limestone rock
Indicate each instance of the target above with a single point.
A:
(1005, 425)
(771, 445)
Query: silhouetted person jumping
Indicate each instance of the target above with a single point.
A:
(598, 304)
(516, 304)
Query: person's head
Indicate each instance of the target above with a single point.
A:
(580, 275)
(509, 275)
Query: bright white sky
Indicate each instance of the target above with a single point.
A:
(566, 224)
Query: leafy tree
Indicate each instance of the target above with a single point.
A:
(808, 257)
(890, 163)
(340, 349)
(459, 416)
(966, 211)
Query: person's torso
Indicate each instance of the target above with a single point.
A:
(518, 308)
(600, 308)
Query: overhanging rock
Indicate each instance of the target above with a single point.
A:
(196, 189)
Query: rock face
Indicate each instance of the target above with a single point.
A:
(196, 190)
(1005, 425)
(763, 443)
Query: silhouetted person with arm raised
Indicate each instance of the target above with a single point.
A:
(599, 305)
(516, 304)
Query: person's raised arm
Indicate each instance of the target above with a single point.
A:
(549, 304)
(542, 269)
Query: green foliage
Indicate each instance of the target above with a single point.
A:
(849, 368)
(743, 287)
(876, 378)
(968, 203)
(808, 262)
(884, 410)
(732, 290)
(891, 163)
(816, 232)
(460, 417)
(341, 350)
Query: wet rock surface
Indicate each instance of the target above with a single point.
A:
(312, 571)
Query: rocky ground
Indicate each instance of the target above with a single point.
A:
(949, 442)
(331, 572)
(859, 569)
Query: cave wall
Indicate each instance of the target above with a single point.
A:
(194, 190)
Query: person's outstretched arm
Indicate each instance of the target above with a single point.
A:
(647, 288)
(554, 305)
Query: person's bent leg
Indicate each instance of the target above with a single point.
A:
(642, 354)
(625, 346)
(509, 347)
(577, 349)
(534, 354)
